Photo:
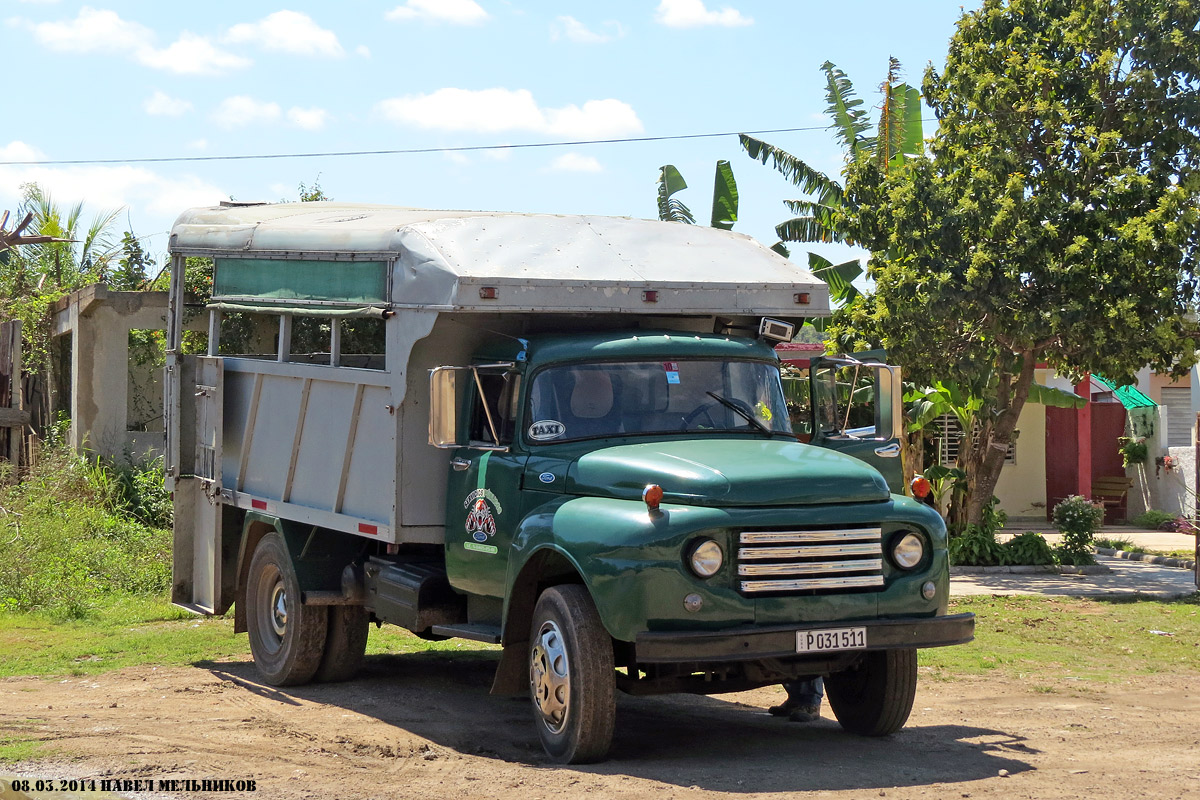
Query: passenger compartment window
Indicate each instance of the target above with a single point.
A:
(248, 335)
(363, 342)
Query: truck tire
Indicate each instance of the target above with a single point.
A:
(571, 676)
(286, 637)
(876, 697)
(345, 643)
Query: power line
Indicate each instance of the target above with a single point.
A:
(409, 151)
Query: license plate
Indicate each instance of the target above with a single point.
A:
(826, 639)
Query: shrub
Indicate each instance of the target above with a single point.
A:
(1077, 519)
(1152, 519)
(977, 547)
(1029, 548)
(62, 549)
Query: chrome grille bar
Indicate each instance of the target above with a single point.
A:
(810, 560)
(811, 567)
(797, 537)
(816, 551)
(803, 584)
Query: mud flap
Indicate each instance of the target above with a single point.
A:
(512, 673)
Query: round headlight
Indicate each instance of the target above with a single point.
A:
(706, 558)
(909, 551)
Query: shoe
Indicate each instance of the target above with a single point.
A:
(784, 709)
(805, 714)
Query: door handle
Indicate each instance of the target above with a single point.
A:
(888, 450)
(460, 464)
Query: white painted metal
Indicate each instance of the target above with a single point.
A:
(536, 262)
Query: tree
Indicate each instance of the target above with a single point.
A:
(1056, 220)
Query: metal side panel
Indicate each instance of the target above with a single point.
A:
(205, 504)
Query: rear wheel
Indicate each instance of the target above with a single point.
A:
(345, 643)
(876, 697)
(286, 637)
(571, 676)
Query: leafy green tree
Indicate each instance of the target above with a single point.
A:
(1057, 219)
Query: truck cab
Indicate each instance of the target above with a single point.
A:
(576, 443)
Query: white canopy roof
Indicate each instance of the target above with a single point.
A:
(535, 262)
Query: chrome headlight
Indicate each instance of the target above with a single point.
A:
(706, 558)
(908, 551)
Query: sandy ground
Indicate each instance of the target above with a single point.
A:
(424, 726)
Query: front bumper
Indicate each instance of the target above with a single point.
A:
(750, 643)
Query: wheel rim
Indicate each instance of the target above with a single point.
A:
(550, 677)
(272, 608)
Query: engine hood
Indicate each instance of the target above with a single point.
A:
(727, 472)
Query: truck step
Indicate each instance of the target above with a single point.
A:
(476, 631)
(415, 595)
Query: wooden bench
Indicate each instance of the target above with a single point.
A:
(1111, 491)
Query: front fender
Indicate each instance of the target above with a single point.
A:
(630, 559)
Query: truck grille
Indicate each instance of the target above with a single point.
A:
(805, 561)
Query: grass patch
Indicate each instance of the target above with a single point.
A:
(1049, 639)
(69, 541)
(15, 745)
(133, 631)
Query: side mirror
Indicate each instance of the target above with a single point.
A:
(443, 408)
(891, 406)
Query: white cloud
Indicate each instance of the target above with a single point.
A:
(104, 186)
(363, 51)
(241, 110)
(161, 104)
(501, 110)
(192, 55)
(103, 31)
(693, 14)
(574, 162)
(93, 31)
(287, 32)
(575, 31)
(457, 12)
(454, 157)
(310, 119)
(198, 144)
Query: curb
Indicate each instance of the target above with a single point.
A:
(1164, 561)
(1027, 569)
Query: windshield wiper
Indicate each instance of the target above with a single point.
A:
(741, 412)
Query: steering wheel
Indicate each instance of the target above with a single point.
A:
(705, 409)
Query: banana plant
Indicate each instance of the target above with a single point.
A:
(898, 137)
(724, 202)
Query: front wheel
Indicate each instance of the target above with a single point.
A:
(875, 697)
(286, 637)
(571, 676)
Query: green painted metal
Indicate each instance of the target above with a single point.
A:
(727, 471)
(301, 280)
(1129, 396)
(582, 500)
(633, 562)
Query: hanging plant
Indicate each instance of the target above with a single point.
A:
(1133, 451)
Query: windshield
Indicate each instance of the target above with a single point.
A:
(581, 401)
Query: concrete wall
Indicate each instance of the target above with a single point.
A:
(99, 322)
(1022, 484)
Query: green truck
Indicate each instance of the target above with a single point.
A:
(565, 435)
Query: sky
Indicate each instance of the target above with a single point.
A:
(117, 81)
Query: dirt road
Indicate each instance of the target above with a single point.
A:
(423, 726)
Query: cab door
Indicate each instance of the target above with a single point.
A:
(853, 405)
(483, 497)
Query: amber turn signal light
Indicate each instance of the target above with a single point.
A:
(652, 495)
(920, 487)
